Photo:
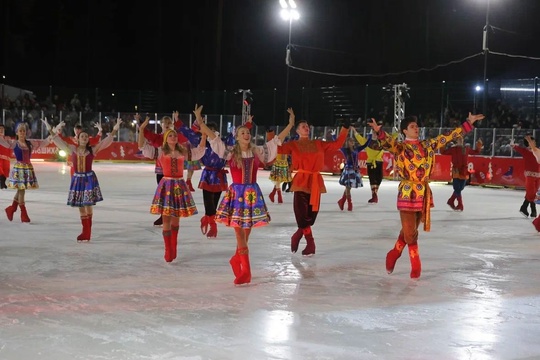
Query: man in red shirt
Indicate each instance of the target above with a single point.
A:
(460, 171)
(532, 175)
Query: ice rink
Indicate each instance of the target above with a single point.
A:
(116, 298)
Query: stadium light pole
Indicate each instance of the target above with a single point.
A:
(485, 49)
(477, 89)
(289, 13)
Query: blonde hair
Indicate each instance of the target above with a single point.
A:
(237, 151)
(167, 149)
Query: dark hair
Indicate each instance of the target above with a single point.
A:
(300, 122)
(88, 147)
(212, 125)
(78, 126)
(405, 122)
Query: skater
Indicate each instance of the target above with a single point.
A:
(460, 170)
(414, 162)
(308, 184)
(84, 189)
(351, 176)
(243, 206)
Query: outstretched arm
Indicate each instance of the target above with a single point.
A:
(283, 134)
(109, 139)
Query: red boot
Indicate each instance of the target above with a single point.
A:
(84, 236)
(450, 201)
(459, 206)
(24, 214)
(341, 202)
(279, 197)
(235, 264)
(204, 224)
(174, 241)
(349, 203)
(416, 265)
(212, 233)
(245, 274)
(272, 194)
(536, 223)
(310, 247)
(10, 210)
(374, 199)
(190, 185)
(295, 240)
(167, 241)
(394, 254)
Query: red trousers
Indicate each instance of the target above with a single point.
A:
(531, 187)
(410, 220)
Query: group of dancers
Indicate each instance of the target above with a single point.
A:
(242, 206)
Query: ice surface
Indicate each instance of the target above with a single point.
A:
(116, 298)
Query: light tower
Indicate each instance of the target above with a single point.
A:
(401, 93)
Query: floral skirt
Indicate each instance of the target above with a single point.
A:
(243, 206)
(351, 178)
(84, 190)
(280, 170)
(22, 177)
(173, 198)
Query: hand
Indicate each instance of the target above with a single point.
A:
(346, 123)
(291, 117)
(512, 142)
(117, 126)
(532, 143)
(98, 126)
(249, 119)
(376, 127)
(145, 123)
(198, 111)
(58, 128)
(47, 125)
(473, 118)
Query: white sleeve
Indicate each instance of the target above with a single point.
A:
(148, 151)
(218, 146)
(197, 152)
(268, 151)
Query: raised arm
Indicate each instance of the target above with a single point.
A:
(141, 140)
(61, 144)
(283, 134)
(205, 130)
(109, 139)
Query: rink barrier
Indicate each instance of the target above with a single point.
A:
(485, 170)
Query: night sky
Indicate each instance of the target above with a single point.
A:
(231, 44)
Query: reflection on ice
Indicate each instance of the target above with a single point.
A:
(115, 298)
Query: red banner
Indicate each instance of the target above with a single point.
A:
(496, 171)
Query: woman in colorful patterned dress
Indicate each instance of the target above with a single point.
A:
(351, 176)
(172, 199)
(22, 176)
(279, 173)
(84, 190)
(243, 206)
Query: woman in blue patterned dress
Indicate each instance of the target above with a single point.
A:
(243, 205)
(22, 176)
(84, 190)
